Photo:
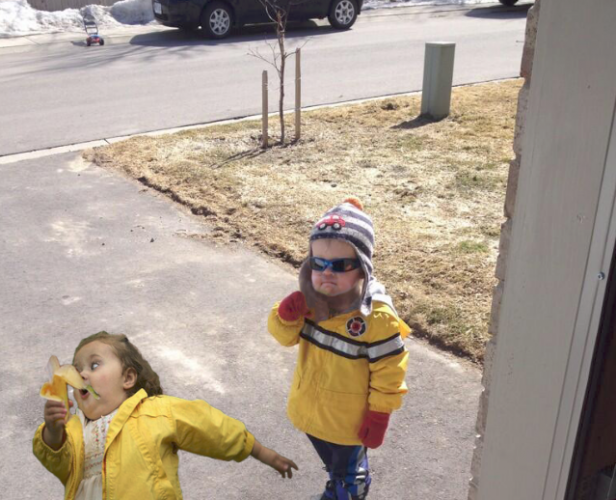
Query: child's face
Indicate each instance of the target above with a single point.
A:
(328, 282)
(100, 367)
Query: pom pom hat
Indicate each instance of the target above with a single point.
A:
(348, 222)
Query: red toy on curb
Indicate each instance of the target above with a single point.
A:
(91, 28)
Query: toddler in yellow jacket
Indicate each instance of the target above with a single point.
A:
(124, 444)
(352, 360)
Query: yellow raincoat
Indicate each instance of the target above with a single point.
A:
(346, 365)
(141, 460)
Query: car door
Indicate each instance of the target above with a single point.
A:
(250, 11)
(308, 9)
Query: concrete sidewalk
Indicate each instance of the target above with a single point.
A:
(83, 249)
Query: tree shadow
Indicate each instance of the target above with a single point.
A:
(256, 151)
(249, 154)
(500, 11)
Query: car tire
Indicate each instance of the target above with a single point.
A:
(343, 14)
(102, 42)
(216, 20)
(508, 3)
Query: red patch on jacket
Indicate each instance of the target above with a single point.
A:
(356, 326)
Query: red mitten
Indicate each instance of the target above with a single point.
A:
(372, 430)
(293, 307)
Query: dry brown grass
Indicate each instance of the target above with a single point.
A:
(434, 190)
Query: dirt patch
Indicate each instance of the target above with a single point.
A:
(435, 191)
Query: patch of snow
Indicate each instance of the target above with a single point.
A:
(18, 18)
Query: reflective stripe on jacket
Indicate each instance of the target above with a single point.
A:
(345, 366)
(141, 460)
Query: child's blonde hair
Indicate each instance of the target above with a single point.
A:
(130, 357)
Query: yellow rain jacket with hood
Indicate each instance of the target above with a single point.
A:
(346, 365)
(141, 460)
(354, 361)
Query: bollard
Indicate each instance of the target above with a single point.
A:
(437, 80)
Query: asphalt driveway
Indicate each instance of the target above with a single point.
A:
(83, 249)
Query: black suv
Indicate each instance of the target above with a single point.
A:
(217, 17)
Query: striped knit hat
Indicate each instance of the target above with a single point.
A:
(349, 222)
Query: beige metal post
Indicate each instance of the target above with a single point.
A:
(437, 80)
(298, 94)
(265, 109)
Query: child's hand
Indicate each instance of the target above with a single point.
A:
(269, 457)
(293, 307)
(55, 420)
(372, 431)
(283, 465)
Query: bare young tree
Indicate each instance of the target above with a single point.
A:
(278, 12)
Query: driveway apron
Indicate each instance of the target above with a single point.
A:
(84, 249)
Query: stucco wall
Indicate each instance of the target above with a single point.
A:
(556, 249)
(505, 238)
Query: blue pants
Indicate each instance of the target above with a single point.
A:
(349, 478)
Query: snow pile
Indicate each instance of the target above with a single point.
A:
(18, 18)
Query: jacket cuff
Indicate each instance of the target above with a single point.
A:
(297, 322)
(248, 446)
(381, 409)
(40, 445)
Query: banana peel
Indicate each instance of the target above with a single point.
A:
(61, 376)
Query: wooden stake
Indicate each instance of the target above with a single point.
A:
(280, 32)
(264, 127)
(298, 95)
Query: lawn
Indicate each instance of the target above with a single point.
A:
(435, 191)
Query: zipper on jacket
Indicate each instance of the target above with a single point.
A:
(69, 442)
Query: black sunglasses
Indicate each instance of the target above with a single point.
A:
(336, 265)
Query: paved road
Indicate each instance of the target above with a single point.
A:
(83, 249)
(65, 93)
